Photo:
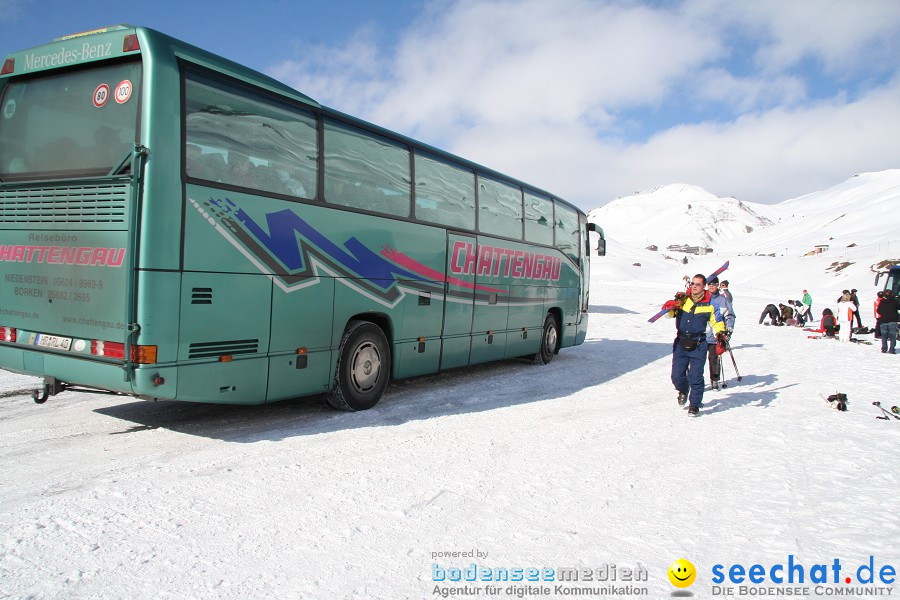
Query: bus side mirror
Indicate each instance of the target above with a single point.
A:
(877, 277)
(601, 243)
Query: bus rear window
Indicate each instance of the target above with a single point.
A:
(69, 124)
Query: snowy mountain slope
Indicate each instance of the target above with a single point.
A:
(681, 214)
(863, 210)
(858, 220)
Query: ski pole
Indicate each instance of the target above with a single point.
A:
(887, 415)
(722, 370)
(731, 354)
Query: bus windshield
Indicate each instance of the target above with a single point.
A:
(74, 123)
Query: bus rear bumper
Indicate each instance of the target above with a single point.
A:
(64, 369)
(252, 380)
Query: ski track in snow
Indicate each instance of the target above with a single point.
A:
(583, 462)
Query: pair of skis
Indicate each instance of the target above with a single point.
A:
(715, 273)
(854, 340)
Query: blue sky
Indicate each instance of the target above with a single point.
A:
(763, 100)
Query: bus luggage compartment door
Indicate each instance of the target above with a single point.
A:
(491, 312)
(462, 253)
(224, 338)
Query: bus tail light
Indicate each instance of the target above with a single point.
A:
(7, 334)
(108, 349)
(143, 355)
(130, 44)
(9, 65)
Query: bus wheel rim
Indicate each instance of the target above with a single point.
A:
(365, 367)
(551, 339)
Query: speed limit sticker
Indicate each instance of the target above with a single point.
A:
(123, 91)
(101, 95)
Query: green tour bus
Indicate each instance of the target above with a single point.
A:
(176, 226)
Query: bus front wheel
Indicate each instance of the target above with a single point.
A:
(549, 340)
(363, 367)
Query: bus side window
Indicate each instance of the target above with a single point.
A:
(366, 171)
(568, 234)
(499, 208)
(445, 193)
(538, 219)
(270, 146)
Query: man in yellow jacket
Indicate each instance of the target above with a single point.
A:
(693, 312)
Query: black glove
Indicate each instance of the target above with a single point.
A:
(722, 338)
(728, 333)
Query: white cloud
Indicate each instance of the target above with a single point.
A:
(542, 90)
(772, 156)
(717, 85)
(842, 35)
(351, 78)
(766, 157)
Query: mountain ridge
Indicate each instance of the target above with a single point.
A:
(857, 213)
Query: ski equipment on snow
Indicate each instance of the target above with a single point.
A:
(722, 372)
(837, 401)
(887, 416)
(731, 354)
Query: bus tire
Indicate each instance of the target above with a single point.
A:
(549, 341)
(363, 367)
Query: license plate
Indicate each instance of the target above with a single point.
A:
(53, 342)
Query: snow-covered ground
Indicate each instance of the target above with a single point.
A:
(586, 462)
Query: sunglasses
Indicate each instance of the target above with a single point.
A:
(697, 283)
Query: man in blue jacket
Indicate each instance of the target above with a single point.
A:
(727, 313)
(693, 312)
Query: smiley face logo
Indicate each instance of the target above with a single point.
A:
(682, 573)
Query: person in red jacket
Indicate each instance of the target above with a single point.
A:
(829, 324)
(878, 316)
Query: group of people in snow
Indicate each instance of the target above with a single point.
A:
(704, 321)
(840, 322)
(795, 312)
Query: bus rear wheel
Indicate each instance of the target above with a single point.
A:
(549, 340)
(363, 367)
